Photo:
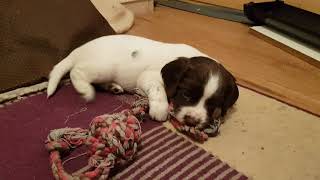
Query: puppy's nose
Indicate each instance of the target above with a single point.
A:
(190, 121)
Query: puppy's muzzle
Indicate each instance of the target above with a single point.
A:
(191, 121)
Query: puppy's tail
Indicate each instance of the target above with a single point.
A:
(58, 72)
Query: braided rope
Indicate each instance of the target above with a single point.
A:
(112, 139)
(196, 134)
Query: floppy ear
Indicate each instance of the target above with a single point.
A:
(172, 74)
(232, 97)
(231, 91)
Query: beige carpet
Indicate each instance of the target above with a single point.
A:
(267, 139)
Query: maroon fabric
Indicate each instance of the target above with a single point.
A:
(26, 124)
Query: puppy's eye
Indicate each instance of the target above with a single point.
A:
(186, 96)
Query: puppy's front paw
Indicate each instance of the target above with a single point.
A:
(158, 110)
(88, 97)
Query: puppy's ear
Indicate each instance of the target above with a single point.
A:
(172, 73)
(232, 95)
(231, 90)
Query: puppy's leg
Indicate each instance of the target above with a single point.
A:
(151, 83)
(112, 87)
(81, 85)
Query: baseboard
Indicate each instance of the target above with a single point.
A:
(139, 7)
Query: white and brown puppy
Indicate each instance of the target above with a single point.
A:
(200, 88)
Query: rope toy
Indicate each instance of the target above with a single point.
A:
(112, 139)
(196, 134)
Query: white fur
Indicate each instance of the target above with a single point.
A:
(129, 61)
(199, 111)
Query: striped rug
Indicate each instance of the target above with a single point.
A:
(166, 155)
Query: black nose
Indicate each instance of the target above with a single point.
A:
(190, 121)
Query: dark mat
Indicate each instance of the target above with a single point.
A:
(295, 22)
(37, 34)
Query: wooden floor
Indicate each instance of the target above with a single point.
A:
(255, 63)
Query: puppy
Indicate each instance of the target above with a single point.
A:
(200, 90)
(199, 87)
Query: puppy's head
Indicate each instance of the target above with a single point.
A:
(200, 90)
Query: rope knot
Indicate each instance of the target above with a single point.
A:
(111, 139)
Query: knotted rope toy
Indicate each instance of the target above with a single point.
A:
(197, 134)
(112, 139)
(194, 133)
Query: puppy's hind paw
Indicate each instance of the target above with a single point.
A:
(116, 89)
